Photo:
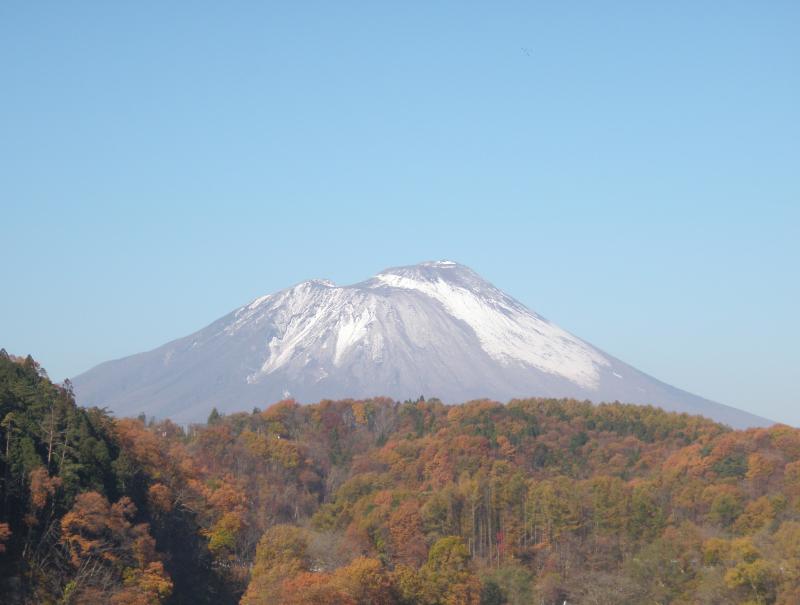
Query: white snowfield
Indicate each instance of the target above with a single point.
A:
(436, 328)
(508, 332)
(348, 317)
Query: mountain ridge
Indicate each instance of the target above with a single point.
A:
(436, 328)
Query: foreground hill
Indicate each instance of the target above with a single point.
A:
(436, 328)
(379, 502)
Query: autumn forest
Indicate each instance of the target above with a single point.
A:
(537, 501)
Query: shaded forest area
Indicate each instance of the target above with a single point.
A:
(387, 503)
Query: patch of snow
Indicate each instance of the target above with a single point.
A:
(259, 301)
(353, 327)
(302, 321)
(508, 333)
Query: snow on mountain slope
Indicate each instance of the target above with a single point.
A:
(436, 328)
(505, 328)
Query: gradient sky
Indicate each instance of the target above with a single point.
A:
(630, 171)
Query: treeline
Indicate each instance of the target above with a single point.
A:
(380, 502)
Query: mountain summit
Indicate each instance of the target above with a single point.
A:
(436, 328)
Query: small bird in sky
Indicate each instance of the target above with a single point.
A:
(526, 51)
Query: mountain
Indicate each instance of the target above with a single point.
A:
(436, 328)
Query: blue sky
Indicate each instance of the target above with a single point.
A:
(630, 171)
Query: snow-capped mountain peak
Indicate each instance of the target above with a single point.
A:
(508, 332)
(436, 328)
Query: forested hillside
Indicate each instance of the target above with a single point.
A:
(380, 502)
(81, 518)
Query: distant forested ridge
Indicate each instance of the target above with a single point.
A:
(379, 502)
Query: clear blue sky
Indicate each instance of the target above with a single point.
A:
(631, 171)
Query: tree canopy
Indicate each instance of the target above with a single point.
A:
(377, 501)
